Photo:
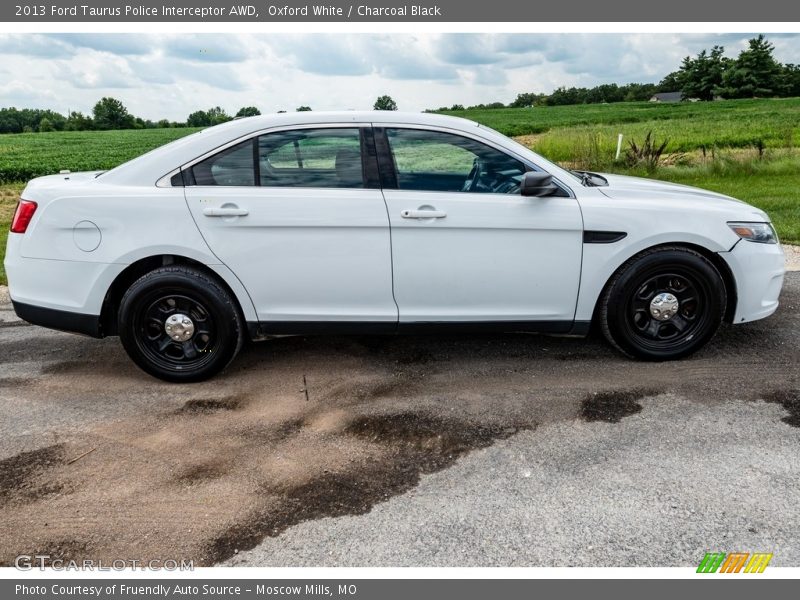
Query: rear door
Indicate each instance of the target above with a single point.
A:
(466, 246)
(298, 216)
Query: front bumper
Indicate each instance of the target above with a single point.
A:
(758, 271)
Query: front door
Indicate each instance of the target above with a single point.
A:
(466, 246)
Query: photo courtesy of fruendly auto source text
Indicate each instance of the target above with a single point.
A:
(443, 300)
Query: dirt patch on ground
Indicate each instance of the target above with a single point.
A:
(790, 400)
(613, 406)
(217, 476)
(401, 448)
(21, 478)
(209, 405)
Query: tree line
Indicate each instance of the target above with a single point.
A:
(755, 73)
(110, 113)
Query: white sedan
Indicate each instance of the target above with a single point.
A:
(377, 222)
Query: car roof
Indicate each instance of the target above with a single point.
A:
(150, 167)
(353, 116)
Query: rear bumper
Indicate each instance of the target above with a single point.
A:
(62, 285)
(61, 320)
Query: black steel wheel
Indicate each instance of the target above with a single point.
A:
(180, 325)
(663, 304)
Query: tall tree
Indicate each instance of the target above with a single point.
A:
(754, 73)
(385, 103)
(207, 118)
(670, 83)
(198, 118)
(77, 121)
(248, 111)
(110, 113)
(791, 78)
(702, 76)
(217, 115)
(527, 99)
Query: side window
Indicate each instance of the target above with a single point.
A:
(444, 162)
(232, 166)
(329, 158)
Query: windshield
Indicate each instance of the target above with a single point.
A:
(578, 175)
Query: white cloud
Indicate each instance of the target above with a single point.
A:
(18, 93)
(169, 76)
(94, 70)
(115, 44)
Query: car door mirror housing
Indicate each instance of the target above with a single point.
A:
(538, 183)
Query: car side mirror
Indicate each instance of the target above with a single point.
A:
(537, 183)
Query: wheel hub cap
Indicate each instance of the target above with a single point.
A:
(179, 327)
(664, 306)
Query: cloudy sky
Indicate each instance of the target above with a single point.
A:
(169, 76)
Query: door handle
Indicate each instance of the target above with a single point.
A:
(227, 211)
(423, 214)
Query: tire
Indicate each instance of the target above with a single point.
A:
(691, 286)
(207, 343)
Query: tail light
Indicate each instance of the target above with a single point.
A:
(22, 216)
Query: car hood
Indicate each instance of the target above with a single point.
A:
(624, 187)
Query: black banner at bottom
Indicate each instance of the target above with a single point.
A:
(390, 589)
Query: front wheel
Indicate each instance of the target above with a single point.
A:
(663, 304)
(178, 324)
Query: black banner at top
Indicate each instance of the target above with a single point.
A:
(340, 11)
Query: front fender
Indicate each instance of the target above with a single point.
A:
(601, 261)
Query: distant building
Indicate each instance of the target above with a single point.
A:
(667, 97)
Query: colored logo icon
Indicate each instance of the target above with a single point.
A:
(734, 562)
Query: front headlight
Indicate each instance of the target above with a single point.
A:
(762, 233)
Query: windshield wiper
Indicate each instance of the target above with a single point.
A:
(586, 179)
(589, 179)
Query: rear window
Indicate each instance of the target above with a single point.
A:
(328, 158)
(323, 158)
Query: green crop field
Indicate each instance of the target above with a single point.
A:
(8, 201)
(24, 156)
(713, 145)
(688, 125)
(744, 148)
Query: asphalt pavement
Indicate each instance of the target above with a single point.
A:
(513, 450)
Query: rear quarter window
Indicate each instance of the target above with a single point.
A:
(233, 166)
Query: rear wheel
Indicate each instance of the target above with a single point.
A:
(663, 304)
(180, 325)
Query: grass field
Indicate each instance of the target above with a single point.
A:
(585, 135)
(688, 125)
(24, 156)
(8, 201)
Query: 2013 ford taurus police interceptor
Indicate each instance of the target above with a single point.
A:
(377, 222)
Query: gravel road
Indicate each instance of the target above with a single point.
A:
(479, 450)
